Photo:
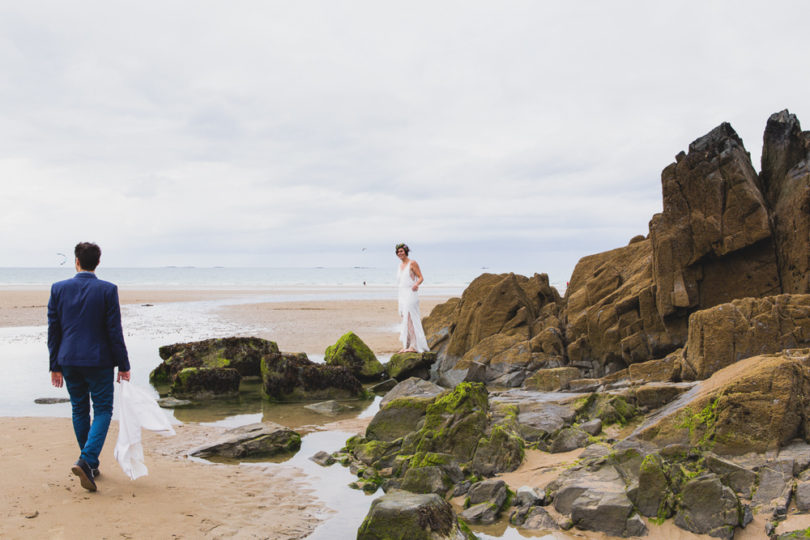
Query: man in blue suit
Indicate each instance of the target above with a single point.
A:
(86, 344)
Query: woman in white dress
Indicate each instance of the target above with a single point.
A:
(409, 277)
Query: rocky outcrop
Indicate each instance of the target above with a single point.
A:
(611, 320)
(401, 514)
(785, 182)
(254, 440)
(713, 242)
(351, 352)
(505, 322)
(730, 332)
(243, 354)
(293, 377)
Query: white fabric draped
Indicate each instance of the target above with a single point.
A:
(136, 409)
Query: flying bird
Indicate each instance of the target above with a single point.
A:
(64, 259)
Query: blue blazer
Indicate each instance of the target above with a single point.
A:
(84, 324)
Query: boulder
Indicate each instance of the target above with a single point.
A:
(785, 182)
(608, 512)
(516, 308)
(293, 377)
(404, 365)
(254, 440)
(383, 387)
(553, 379)
(351, 352)
(775, 488)
(398, 418)
(324, 459)
(568, 439)
(746, 327)
(400, 514)
(539, 518)
(709, 507)
(412, 387)
(243, 354)
(803, 495)
(539, 421)
(739, 478)
(501, 451)
(712, 243)
(481, 513)
(755, 405)
(493, 491)
(200, 383)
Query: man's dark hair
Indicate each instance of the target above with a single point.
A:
(89, 254)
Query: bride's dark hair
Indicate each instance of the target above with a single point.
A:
(402, 246)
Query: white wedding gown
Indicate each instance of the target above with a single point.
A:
(411, 336)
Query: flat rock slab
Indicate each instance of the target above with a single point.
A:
(254, 440)
(329, 408)
(173, 403)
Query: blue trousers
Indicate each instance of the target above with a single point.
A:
(86, 384)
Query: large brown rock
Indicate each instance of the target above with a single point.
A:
(712, 242)
(756, 405)
(610, 314)
(497, 313)
(730, 332)
(785, 181)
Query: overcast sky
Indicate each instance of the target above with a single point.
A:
(511, 135)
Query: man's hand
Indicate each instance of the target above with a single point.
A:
(122, 376)
(56, 378)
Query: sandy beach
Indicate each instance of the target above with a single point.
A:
(180, 498)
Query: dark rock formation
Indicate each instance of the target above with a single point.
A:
(243, 354)
(293, 377)
(200, 383)
(785, 182)
(254, 440)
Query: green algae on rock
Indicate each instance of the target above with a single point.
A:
(351, 352)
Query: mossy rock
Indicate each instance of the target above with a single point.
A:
(401, 515)
(199, 383)
(379, 454)
(243, 354)
(411, 364)
(293, 377)
(398, 418)
(351, 352)
(610, 408)
(502, 451)
(453, 423)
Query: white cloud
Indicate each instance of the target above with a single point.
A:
(525, 133)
